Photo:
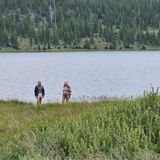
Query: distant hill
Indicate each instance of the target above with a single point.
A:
(45, 24)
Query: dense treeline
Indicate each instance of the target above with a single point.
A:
(79, 23)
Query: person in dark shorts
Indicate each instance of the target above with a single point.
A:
(66, 92)
(39, 92)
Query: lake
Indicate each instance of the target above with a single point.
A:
(90, 74)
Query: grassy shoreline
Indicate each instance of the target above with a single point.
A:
(110, 129)
(79, 50)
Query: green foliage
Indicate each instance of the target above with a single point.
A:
(87, 44)
(113, 129)
(131, 23)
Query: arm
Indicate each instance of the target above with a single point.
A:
(35, 92)
(69, 91)
(43, 92)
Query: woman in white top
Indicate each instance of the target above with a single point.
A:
(66, 92)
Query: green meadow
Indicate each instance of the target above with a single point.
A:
(115, 129)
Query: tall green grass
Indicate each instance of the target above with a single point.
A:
(112, 129)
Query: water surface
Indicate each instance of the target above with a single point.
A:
(91, 74)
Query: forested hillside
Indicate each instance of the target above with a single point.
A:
(45, 24)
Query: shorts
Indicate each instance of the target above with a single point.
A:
(40, 95)
(65, 95)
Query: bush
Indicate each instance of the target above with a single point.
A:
(44, 48)
(114, 129)
(87, 44)
(106, 47)
(143, 47)
(112, 47)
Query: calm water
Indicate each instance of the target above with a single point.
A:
(92, 74)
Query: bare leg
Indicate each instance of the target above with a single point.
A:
(67, 99)
(37, 100)
(63, 99)
(40, 100)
